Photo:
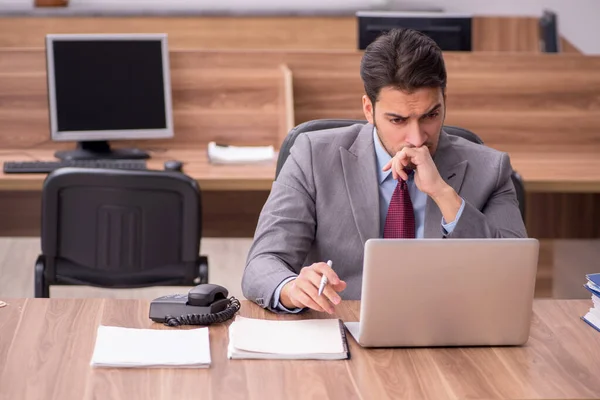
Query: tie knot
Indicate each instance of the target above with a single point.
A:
(401, 182)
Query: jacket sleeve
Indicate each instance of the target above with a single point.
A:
(500, 217)
(286, 228)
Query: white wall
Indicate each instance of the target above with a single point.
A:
(204, 6)
(578, 20)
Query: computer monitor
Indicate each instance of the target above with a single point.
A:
(549, 37)
(105, 87)
(452, 32)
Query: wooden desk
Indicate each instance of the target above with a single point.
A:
(211, 177)
(553, 171)
(543, 171)
(46, 347)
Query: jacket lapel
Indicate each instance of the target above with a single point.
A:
(360, 176)
(452, 169)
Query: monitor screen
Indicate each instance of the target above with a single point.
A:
(105, 87)
(450, 32)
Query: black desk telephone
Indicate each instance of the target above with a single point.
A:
(203, 305)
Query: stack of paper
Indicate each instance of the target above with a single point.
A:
(150, 348)
(593, 316)
(322, 339)
(219, 154)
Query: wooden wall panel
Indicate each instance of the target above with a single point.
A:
(572, 261)
(511, 100)
(533, 99)
(527, 101)
(519, 34)
(514, 34)
(563, 215)
(544, 281)
(230, 105)
(568, 47)
(194, 32)
(20, 213)
(234, 214)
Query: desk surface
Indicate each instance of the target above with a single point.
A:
(196, 165)
(46, 346)
(542, 171)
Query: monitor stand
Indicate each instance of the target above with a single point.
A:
(100, 150)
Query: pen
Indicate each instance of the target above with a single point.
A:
(324, 279)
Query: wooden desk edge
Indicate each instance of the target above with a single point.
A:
(263, 184)
(226, 184)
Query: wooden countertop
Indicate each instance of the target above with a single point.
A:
(196, 165)
(46, 347)
(542, 171)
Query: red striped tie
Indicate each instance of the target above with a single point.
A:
(400, 220)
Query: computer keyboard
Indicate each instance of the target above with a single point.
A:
(44, 167)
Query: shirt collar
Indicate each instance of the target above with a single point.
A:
(382, 158)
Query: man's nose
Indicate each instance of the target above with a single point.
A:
(416, 135)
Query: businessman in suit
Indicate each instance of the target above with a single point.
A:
(398, 176)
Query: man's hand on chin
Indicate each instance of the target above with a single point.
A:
(427, 178)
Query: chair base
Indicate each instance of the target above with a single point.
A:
(41, 289)
(202, 271)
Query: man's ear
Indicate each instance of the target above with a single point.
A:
(368, 108)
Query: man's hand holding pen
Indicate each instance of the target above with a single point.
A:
(303, 292)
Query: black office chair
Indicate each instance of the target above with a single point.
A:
(320, 124)
(120, 229)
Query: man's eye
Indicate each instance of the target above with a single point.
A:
(433, 115)
(397, 120)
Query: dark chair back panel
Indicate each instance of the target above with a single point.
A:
(118, 228)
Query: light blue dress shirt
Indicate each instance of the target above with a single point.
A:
(387, 184)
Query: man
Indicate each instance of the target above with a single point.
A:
(399, 176)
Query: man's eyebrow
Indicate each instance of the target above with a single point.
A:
(394, 115)
(433, 109)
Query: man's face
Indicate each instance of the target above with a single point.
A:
(407, 120)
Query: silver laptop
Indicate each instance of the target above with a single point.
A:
(446, 292)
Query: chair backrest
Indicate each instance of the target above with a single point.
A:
(119, 228)
(321, 124)
(309, 126)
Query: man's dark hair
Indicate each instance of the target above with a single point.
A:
(404, 59)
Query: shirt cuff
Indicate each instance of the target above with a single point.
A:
(449, 227)
(276, 304)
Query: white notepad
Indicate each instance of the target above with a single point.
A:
(239, 154)
(322, 339)
(151, 348)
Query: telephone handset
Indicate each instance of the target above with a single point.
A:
(203, 305)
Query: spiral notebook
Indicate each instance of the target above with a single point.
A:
(310, 339)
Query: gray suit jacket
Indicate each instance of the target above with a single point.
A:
(324, 205)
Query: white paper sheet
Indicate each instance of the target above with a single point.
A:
(151, 348)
